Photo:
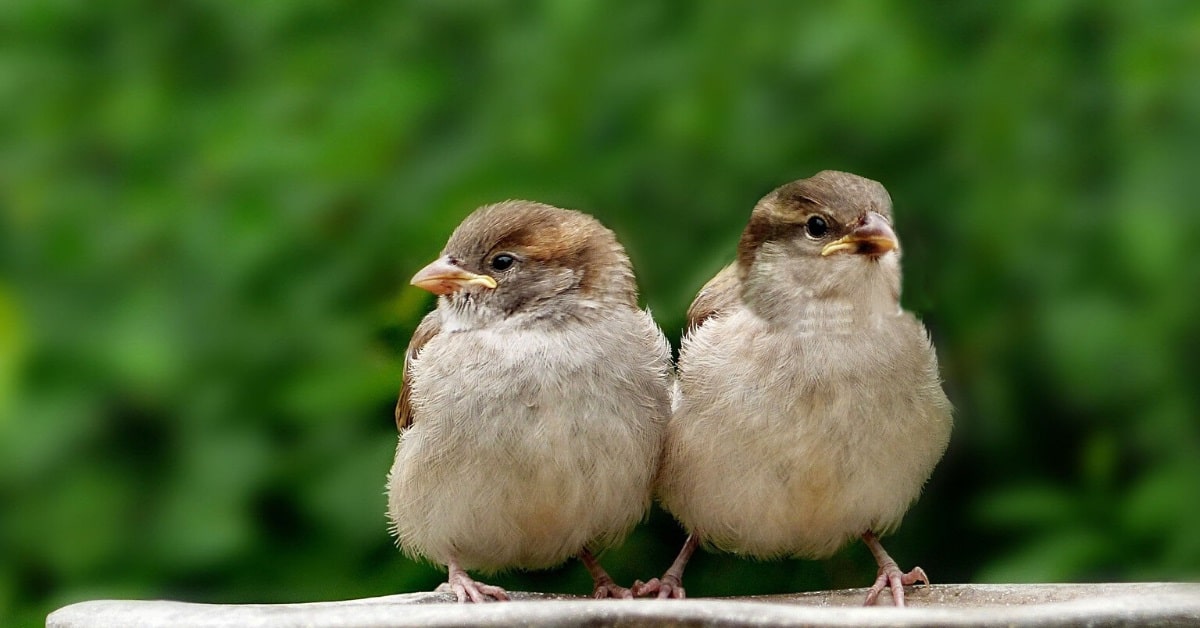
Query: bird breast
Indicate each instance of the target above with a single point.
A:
(529, 443)
(790, 440)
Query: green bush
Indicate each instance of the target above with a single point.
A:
(209, 212)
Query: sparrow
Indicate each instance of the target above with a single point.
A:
(534, 401)
(810, 408)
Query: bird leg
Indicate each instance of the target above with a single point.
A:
(603, 585)
(889, 573)
(469, 590)
(671, 584)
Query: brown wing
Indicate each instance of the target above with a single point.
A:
(429, 327)
(718, 295)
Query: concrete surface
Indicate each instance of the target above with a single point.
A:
(1137, 604)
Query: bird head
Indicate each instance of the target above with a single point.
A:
(829, 234)
(527, 258)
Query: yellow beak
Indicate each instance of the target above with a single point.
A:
(873, 237)
(443, 276)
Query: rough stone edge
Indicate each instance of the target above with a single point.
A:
(1139, 604)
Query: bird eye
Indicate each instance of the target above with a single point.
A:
(503, 261)
(816, 227)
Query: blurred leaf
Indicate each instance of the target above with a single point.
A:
(1162, 500)
(1100, 460)
(13, 345)
(1030, 507)
(1057, 557)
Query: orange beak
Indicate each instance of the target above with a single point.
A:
(443, 276)
(874, 237)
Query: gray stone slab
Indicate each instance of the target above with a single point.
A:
(1137, 604)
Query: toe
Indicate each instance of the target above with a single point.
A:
(875, 590)
(897, 589)
(612, 591)
(496, 593)
(916, 575)
(648, 588)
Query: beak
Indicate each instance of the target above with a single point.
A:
(443, 276)
(873, 236)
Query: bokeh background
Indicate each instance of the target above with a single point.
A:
(209, 212)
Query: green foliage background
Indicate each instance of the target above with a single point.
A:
(209, 212)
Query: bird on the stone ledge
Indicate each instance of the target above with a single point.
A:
(534, 400)
(810, 408)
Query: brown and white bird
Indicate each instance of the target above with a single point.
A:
(534, 400)
(810, 409)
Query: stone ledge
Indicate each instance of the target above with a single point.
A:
(1139, 604)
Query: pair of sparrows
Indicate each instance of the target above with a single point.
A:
(540, 414)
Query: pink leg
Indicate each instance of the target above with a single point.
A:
(889, 573)
(671, 584)
(603, 585)
(468, 590)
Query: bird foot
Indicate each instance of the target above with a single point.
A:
(610, 589)
(667, 587)
(670, 586)
(889, 573)
(891, 577)
(468, 590)
(602, 584)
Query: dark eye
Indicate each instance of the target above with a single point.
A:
(816, 226)
(502, 261)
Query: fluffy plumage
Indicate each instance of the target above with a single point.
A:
(534, 399)
(810, 408)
